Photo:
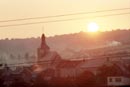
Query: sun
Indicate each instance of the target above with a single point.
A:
(92, 27)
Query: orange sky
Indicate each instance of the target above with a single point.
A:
(15, 9)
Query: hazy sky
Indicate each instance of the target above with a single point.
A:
(16, 9)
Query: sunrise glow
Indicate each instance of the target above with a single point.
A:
(92, 27)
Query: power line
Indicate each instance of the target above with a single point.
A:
(51, 61)
(62, 20)
(22, 19)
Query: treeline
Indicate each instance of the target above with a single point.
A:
(75, 41)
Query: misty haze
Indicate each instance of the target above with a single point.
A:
(65, 43)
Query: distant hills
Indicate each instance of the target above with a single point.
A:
(66, 44)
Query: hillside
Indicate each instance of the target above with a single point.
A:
(67, 44)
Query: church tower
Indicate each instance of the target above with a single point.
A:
(46, 57)
(41, 52)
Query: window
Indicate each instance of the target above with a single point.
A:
(110, 79)
(118, 79)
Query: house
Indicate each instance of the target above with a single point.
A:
(69, 68)
(118, 81)
(123, 79)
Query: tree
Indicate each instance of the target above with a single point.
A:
(87, 78)
(26, 55)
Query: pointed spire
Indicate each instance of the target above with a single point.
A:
(43, 42)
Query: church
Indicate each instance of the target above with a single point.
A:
(52, 65)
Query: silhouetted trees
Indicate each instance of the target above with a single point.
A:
(87, 78)
(81, 39)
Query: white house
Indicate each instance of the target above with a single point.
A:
(118, 81)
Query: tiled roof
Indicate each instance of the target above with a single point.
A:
(68, 64)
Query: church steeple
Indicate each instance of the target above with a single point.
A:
(42, 40)
(44, 48)
(43, 43)
(45, 54)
